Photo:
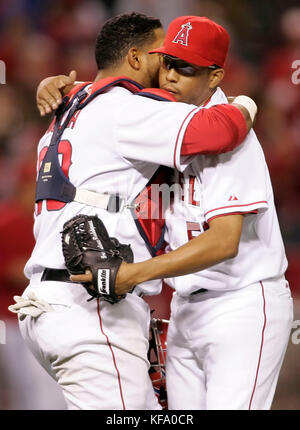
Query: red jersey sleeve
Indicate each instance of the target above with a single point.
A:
(215, 130)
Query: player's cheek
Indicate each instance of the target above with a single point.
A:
(155, 66)
(162, 73)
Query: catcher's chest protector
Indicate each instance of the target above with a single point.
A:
(53, 184)
(148, 212)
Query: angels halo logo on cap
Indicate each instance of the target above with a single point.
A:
(197, 40)
(183, 34)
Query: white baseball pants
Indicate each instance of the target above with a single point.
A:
(225, 349)
(97, 352)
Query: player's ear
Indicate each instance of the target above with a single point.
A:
(216, 77)
(134, 58)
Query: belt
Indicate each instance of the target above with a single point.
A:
(201, 290)
(60, 275)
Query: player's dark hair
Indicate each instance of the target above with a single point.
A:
(121, 33)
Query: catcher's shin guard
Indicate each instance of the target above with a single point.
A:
(157, 358)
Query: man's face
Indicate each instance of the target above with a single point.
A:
(187, 83)
(152, 61)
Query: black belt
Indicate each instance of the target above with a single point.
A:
(201, 290)
(60, 275)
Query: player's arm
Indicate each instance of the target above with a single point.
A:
(220, 242)
(51, 90)
(215, 130)
(220, 128)
(211, 131)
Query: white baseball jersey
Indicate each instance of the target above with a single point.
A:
(236, 182)
(113, 145)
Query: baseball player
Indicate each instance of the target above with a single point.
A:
(231, 313)
(96, 158)
(229, 342)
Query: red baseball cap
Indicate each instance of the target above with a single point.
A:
(197, 40)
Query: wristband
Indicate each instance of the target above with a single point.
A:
(248, 103)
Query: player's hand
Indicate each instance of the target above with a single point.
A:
(230, 99)
(124, 279)
(86, 277)
(51, 90)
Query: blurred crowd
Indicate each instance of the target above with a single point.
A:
(39, 39)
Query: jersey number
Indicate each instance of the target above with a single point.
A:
(194, 229)
(65, 151)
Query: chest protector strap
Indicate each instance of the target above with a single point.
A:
(148, 207)
(52, 183)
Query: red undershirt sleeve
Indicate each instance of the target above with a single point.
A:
(213, 131)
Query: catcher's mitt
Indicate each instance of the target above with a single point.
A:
(87, 245)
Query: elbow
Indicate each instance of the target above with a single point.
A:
(230, 249)
(234, 251)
